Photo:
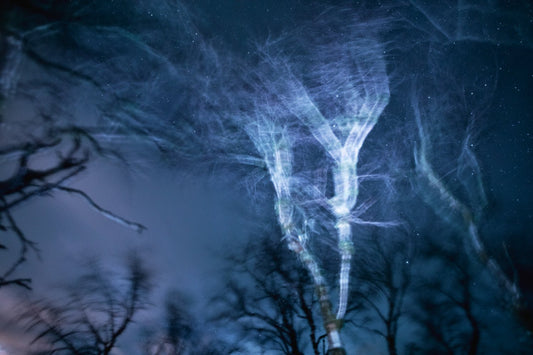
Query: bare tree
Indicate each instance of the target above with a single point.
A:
(269, 296)
(95, 312)
(178, 328)
(67, 152)
(42, 150)
(381, 283)
(180, 332)
(445, 308)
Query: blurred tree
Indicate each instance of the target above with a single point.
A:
(95, 312)
(180, 332)
(452, 98)
(458, 196)
(105, 55)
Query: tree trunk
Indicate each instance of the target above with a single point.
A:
(391, 345)
(331, 324)
(475, 336)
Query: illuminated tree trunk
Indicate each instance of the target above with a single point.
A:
(331, 324)
(274, 144)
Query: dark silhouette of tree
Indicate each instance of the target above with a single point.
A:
(69, 151)
(42, 166)
(178, 326)
(382, 280)
(180, 332)
(270, 298)
(445, 306)
(36, 34)
(94, 313)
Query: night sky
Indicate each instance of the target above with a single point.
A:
(172, 91)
